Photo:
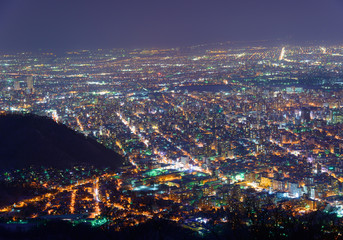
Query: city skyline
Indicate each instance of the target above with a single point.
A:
(184, 119)
(208, 134)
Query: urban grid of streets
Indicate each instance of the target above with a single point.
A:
(200, 128)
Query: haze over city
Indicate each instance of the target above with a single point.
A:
(68, 25)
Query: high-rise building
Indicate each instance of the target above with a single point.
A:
(16, 85)
(306, 115)
(29, 82)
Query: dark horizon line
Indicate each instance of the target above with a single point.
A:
(272, 43)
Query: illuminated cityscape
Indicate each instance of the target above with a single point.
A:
(205, 131)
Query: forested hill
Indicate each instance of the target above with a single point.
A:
(30, 140)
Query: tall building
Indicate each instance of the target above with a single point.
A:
(29, 82)
(306, 115)
(16, 85)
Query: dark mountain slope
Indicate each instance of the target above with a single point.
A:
(27, 140)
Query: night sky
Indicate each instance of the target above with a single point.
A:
(74, 24)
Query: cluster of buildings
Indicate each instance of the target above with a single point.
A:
(201, 130)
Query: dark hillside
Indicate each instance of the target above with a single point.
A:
(27, 140)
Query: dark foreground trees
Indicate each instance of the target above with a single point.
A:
(274, 224)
